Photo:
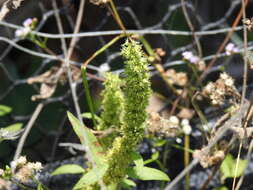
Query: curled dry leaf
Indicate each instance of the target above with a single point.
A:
(178, 78)
(208, 159)
(50, 79)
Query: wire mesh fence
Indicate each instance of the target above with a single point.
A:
(163, 23)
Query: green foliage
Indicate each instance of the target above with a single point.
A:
(13, 128)
(68, 169)
(124, 111)
(112, 103)
(112, 106)
(4, 110)
(10, 132)
(146, 173)
(127, 183)
(228, 167)
(137, 91)
(88, 140)
(136, 95)
(90, 178)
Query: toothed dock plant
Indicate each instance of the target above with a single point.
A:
(124, 110)
(136, 95)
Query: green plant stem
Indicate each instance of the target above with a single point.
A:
(114, 40)
(182, 148)
(187, 160)
(87, 93)
(117, 17)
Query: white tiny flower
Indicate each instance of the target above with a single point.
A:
(178, 140)
(13, 165)
(26, 30)
(229, 82)
(21, 160)
(194, 59)
(104, 67)
(187, 55)
(230, 49)
(21, 33)
(185, 122)
(38, 166)
(209, 88)
(27, 22)
(187, 129)
(18, 33)
(224, 76)
(174, 120)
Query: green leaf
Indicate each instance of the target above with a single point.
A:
(228, 167)
(160, 142)
(127, 183)
(90, 177)
(146, 173)
(87, 138)
(155, 156)
(4, 110)
(138, 160)
(13, 128)
(68, 169)
(39, 187)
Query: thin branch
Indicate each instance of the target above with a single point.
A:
(27, 130)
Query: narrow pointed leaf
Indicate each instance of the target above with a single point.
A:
(146, 173)
(90, 178)
(13, 128)
(68, 169)
(4, 110)
(138, 160)
(87, 138)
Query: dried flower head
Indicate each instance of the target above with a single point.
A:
(160, 52)
(208, 159)
(21, 161)
(248, 23)
(218, 91)
(178, 78)
(24, 170)
(166, 127)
